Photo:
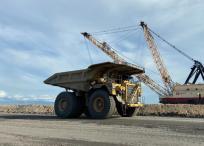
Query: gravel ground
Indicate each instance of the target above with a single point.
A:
(40, 130)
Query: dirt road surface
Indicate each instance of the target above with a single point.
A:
(40, 130)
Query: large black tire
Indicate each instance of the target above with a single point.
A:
(125, 112)
(86, 112)
(100, 105)
(67, 105)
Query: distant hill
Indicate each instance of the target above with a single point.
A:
(11, 101)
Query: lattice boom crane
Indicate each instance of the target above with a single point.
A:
(117, 59)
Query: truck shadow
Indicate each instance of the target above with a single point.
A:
(44, 117)
(28, 117)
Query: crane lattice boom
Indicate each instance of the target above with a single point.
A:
(161, 91)
(157, 59)
(105, 48)
(117, 59)
(108, 50)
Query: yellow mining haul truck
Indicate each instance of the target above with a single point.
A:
(97, 91)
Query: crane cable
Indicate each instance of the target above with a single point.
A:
(133, 27)
(89, 53)
(173, 46)
(119, 30)
(123, 37)
(114, 30)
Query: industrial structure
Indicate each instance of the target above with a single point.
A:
(171, 92)
(103, 88)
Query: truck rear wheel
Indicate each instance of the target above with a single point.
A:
(101, 105)
(67, 105)
(125, 111)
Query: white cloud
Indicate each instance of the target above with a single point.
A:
(31, 97)
(2, 93)
(36, 42)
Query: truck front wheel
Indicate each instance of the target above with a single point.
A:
(125, 111)
(101, 105)
(67, 105)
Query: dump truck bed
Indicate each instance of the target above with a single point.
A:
(80, 79)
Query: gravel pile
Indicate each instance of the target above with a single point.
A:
(30, 109)
(176, 110)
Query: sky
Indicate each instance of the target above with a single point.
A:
(39, 38)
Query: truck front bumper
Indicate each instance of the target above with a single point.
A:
(135, 105)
